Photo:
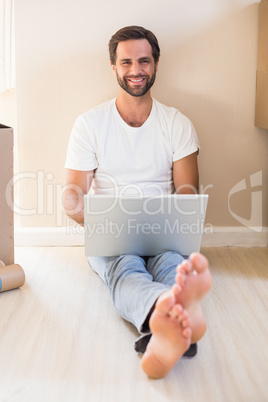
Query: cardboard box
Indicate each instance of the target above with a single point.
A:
(261, 110)
(6, 185)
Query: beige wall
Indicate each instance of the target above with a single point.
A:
(8, 108)
(207, 70)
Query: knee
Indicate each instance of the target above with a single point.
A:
(125, 265)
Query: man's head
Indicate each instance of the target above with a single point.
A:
(134, 55)
(133, 32)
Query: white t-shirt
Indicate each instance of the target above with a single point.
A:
(130, 160)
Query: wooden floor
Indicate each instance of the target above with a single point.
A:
(61, 340)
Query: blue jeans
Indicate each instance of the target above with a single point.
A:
(135, 283)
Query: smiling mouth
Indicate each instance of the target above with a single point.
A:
(136, 80)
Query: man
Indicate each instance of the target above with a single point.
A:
(135, 144)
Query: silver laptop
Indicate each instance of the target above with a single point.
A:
(145, 226)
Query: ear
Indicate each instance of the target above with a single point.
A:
(113, 68)
(156, 66)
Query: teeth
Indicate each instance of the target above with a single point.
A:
(137, 80)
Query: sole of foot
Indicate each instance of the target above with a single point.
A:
(171, 336)
(193, 281)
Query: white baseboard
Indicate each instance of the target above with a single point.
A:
(74, 236)
(235, 237)
(49, 236)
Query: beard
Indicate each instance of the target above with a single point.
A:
(123, 82)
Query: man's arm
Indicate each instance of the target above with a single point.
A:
(185, 175)
(77, 185)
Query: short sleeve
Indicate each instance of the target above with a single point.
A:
(183, 138)
(81, 152)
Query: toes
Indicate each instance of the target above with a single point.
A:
(183, 316)
(180, 279)
(165, 302)
(176, 311)
(199, 261)
(187, 333)
(185, 323)
(185, 267)
(176, 289)
(196, 263)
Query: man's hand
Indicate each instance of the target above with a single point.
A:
(77, 185)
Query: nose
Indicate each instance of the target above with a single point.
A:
(135, 68)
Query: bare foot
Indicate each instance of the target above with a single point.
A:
(193, 281)
(171, 336)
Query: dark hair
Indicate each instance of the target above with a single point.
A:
(133, 32)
